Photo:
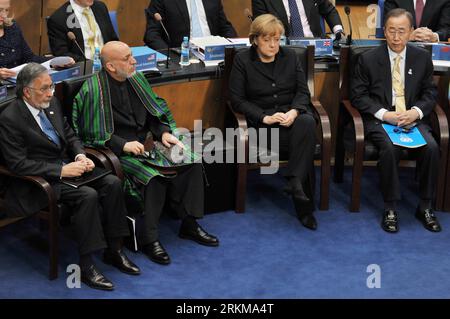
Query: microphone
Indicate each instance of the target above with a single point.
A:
(73, 38)
(159, 19)
(349, 36)
(248, 14)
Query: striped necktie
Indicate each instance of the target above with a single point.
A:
(296, 21)
(397, 85)
(93, 28)
(48, 129)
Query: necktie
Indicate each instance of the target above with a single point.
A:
(196, 28)
(48, 129)
(419, 11)
(93, 29)
(398, 87)
(296, 21)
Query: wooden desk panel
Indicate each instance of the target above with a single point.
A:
(28, 16)
(200, 100)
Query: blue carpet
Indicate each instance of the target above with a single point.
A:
(264, 253)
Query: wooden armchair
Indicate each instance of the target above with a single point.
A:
(351, 139)
(54, 210)
(323, 149)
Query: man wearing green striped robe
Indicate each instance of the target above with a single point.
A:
(116, 108)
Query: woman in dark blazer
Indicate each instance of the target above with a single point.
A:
(268, 85)
(14, 50)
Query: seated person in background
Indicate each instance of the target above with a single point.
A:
(37, 140)
(394, 83)
(121, 98)
(301, 18)
(90, 23)
(192, 18)
(14, 50)
(431, 18)
(268, 85)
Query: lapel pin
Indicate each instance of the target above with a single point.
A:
(51, 112)
(410, 72)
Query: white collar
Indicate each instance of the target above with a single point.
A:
(393, 54)
(34, 111)
(76, 7)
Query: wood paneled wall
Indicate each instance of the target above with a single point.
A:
(31, 14)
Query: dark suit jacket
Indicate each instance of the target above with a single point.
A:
(371, 84)
(314, 10)
(26, 150)
(176, 19)
(58, 29)
(132, 121)
(14, 50)
(257, 93)
(436, 14)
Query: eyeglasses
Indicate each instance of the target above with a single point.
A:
(44, 89)
(393, 33)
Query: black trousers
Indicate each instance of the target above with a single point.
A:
(100, 202)
(296, 144)
(389, 157)
(184, 193)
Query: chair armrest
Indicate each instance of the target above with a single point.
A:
(357, 123)
(41, 183)
(243, 127)
(324, 120)
(442, 125)
(98, 157)
(113, 161)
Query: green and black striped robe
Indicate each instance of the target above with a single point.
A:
(93, 122)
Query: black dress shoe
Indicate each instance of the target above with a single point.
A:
(390, 221)
(196, 233)
(428, 220)
(309, 221)
(119, 260)
(92, 277)
(295, 189)
(156, 252)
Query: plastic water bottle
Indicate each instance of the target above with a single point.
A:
(283, 40)
(184, 58)
(97, 66)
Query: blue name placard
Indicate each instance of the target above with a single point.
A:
(217, 52)
(441, 52)
(59, 76)
(146, 58)
(322, 46)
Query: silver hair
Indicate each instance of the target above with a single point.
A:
(26, 77)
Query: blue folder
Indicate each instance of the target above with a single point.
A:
(406, 138)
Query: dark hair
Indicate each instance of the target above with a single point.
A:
(394, 13)
(28, 74)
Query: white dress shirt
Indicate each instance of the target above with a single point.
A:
(202, 16)
(35, 112)
(85, 29)
(305, 23)
(392, 55)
